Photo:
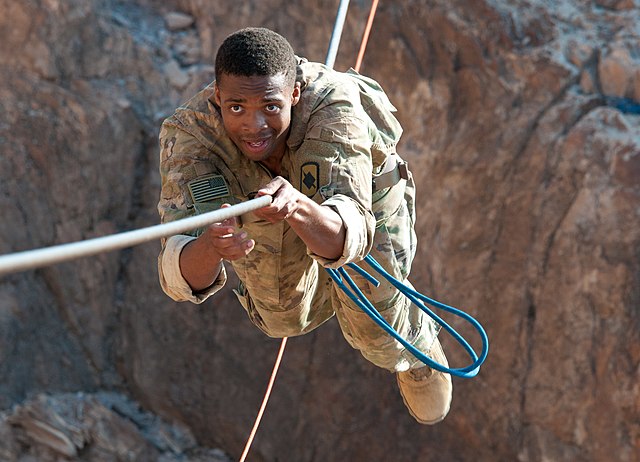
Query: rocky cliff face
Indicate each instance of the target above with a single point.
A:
(522, 127)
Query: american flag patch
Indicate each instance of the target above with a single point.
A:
(208, 188)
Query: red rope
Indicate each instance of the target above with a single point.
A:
(264, 400)
(363, 46)
(365, 35)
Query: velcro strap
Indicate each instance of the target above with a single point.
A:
(395, 170)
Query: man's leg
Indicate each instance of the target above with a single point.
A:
(427, 393)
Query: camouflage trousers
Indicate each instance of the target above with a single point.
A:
(288, 293)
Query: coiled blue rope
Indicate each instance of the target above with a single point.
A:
(340, 275)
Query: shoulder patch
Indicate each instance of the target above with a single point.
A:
(309, 178)
(208, 188)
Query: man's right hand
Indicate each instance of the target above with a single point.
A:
(201, 259)
(226, 240)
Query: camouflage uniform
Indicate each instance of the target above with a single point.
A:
(342, 135)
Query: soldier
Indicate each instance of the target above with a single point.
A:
(322, 144)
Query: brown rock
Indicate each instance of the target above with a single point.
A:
(101, 427)
(528, 219)
(636, 85)
(616, 72)
(618, 5)
(177, 21)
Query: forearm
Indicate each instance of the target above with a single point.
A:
(199, 264)
(320, 228)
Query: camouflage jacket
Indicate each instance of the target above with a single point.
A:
(342, 133)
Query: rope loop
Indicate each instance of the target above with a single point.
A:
(349, 287)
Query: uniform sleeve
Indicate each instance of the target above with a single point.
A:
(358, 236)
(179, 152)
(338, 139)
(171, 280)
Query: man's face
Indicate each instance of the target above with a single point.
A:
(256, 112)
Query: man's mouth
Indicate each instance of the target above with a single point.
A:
(256, 145)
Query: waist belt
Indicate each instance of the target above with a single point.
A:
(388, 192)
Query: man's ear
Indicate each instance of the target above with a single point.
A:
(216, 93)
(295, 96)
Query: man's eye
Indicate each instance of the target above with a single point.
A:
(273, 108)
(235, 108)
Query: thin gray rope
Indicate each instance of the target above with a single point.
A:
(337, 33)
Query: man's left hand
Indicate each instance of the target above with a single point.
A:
(285, 200)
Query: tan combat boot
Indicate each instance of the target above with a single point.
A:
(425, 391)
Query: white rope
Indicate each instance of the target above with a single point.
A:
(31, 259)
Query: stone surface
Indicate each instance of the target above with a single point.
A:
(94, 428)
(522, 128)
(176, 20)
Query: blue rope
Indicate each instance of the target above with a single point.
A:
(340, 275)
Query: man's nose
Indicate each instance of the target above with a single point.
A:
(255, 122)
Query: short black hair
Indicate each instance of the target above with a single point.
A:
(256, 51)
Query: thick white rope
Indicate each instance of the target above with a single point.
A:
(31, 259)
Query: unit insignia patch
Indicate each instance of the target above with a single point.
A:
(309, 178)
